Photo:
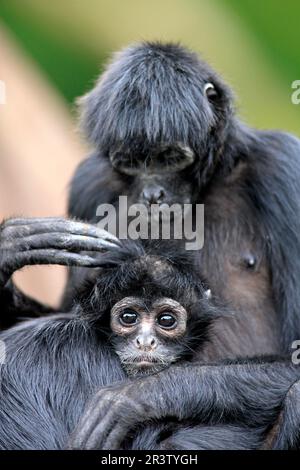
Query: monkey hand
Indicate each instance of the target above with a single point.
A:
(35, 241)
(112, 413)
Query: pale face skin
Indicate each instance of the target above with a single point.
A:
(148, 339)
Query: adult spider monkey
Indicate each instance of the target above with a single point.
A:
(164, 130)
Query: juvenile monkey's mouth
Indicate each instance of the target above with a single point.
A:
(145, 361)
(145, 364)
(135, 363)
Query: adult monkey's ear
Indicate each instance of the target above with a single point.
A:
(219, 95)
(210, 91)
(220, 99)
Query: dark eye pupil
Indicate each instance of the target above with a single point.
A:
(129, 318)
(166, 320)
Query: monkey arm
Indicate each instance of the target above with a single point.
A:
(15, 304)
(278, 213)
(250, 394)
(25, 242)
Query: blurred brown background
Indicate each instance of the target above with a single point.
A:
(51, 52)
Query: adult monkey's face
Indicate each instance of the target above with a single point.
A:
(162, 176)
(162, 117)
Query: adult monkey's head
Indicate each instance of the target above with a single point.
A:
(160, 115)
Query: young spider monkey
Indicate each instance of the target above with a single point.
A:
(148, 336)
(136, 315)
(151, 304)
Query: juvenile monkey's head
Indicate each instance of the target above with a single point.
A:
(148, 336)
(153, 306)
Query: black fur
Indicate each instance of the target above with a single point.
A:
(249, 181)
(54, 365)
(61, 372)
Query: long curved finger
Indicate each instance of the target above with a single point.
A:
(99, 435)
(62, 241)
(22, 227)
(91, 417)
(44, 257)
(115, 438)
(31, 220)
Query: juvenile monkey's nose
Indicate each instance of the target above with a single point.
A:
(153, 194)
(145, 342)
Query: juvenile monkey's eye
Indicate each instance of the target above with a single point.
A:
(166, 320)
(128, 317)
(210, 91)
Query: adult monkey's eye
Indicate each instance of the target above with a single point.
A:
(128, 318)
(166, 320)
(210, 91)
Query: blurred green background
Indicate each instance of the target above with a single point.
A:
(253, 43)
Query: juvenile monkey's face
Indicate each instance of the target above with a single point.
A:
(148, 338)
